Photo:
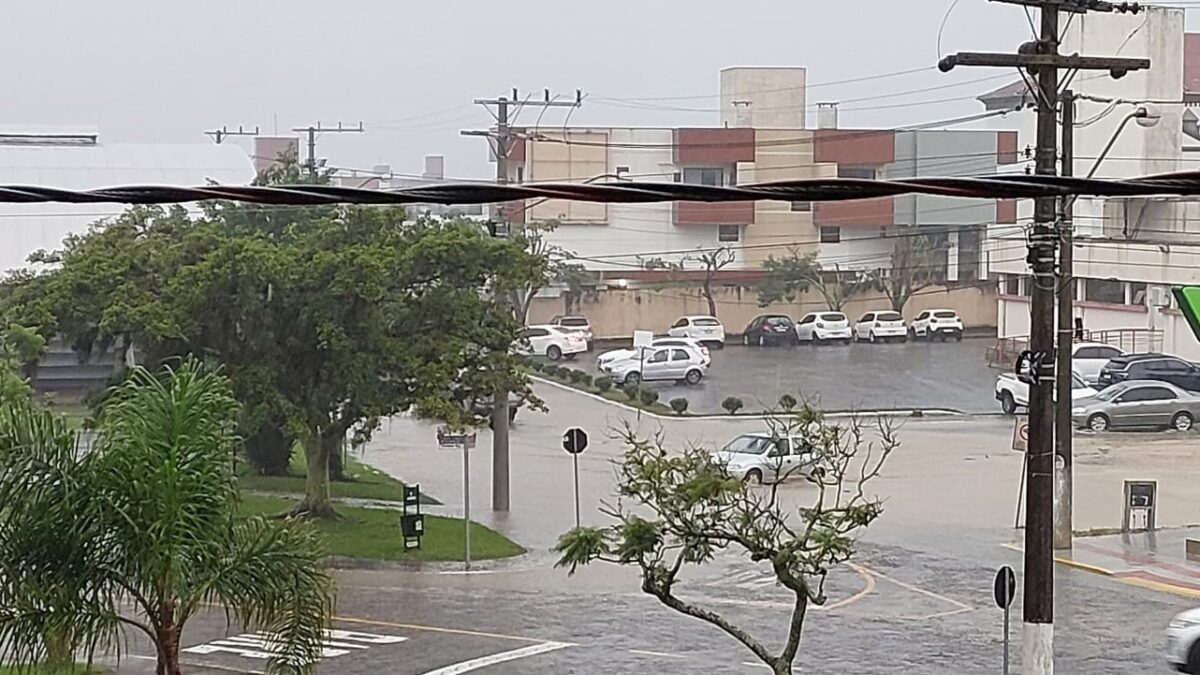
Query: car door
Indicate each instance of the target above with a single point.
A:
(657, 365)
(1158, 405)
(679, 328)
(1089, 361)
(1168, 370)
(863, 327)
(779, 458)
(679, 363)
(539, 339)
(1128, 409)
(752, 330)
(804, 329)
(921, 323)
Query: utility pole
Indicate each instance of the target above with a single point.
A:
(224, 132)
(312, 131)
(1064, 425)
(502, 136)
(1042, 61)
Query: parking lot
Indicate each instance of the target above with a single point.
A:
(950, 375)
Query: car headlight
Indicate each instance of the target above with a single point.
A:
(1077, 411)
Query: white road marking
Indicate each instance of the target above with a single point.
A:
(259, 645)
(664, 655)
(502, 657)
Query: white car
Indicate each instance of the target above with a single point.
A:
(940, 323)
(1013, 393)
(631, 353)
(881, 326)
(553, 342)
(575, 323)
(674, 364)
(1089, 358)
(818, 327)
(706, 329)
(1183, 641)
(761, 457)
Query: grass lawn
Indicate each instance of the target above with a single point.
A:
(365, 483)
(375, 533)
(79, 669)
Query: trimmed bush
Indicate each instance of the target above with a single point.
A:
(536, 366)
(631, 391)
(788, 402)
(603, 383)
(649, 396)
(577, 376)
(586, 380)
(732, 405)
(679, 405)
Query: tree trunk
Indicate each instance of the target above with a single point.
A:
(712, 305)
(317, 503)
(168, 650)
(60, 650)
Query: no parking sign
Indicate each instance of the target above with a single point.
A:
(1020, 441)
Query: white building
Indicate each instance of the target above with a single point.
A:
(1128, 252)
(76, 159)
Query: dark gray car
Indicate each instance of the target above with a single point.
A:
(1138, 404)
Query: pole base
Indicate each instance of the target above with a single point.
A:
(1037, 649)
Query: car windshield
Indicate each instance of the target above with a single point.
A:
(705, 321)
(946, 315)
(1111, 393)
(777, 321)
(832, 316)
(748, 445)
(889, 316)
(578, 321)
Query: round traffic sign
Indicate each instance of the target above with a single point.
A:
(1024, 432)
(575, 440)
(1005, 587)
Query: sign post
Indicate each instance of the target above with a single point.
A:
(1005, 588)
(575, 441)
(446, 439)
(642, 339)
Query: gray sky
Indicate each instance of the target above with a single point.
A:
(154, 71)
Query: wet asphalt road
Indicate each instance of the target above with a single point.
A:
(950, 375)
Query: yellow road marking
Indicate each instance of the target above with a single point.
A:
(960, 606)
(866, 590)
(1094, 569)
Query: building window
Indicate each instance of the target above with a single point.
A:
(1104, 290)
(867, 172)
(729, 233)
(1027, 286)
(520, 174)
(831, 234)
(802, 207)
(704, 176)
(1012, 285)
(1137, 293)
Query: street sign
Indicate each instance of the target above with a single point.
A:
(1005, 587)
(642, 338)
(1020, 441)
(575, 440)
(1188, 299)
(447, 439)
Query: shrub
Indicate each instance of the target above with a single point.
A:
(732, 405)
(631, 391)
(556, 372)
(788, 402)
(649, 396)
(576, 375)
(586, 380)
(679, 405)
(604, 383)
(536, 366)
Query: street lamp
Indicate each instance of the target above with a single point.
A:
(1063, 427)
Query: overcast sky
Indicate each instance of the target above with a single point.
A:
(155, 71)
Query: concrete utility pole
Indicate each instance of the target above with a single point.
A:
(503, 139)
(224, 132)
(1064, 425)
(312, 131)
(1042, 61)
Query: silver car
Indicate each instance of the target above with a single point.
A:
(677, 364)
(1138, 403)
(762, 457)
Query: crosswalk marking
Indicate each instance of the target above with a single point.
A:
(260, 645)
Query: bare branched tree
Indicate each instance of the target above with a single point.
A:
(713, 261)
(686, 507)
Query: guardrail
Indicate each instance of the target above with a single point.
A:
(1004, 353)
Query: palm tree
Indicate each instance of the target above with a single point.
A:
(137, 531)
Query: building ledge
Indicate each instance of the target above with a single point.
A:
(1088, 304)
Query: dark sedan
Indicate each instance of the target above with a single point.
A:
(770, 329)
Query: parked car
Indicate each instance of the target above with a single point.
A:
(1089, 358)
(631, 353)
(1013, 393)
(1161, 367)
(882, 326)
(706, 329)
(575, 323)
(770, 329)
(676, 364)
(1138, 403)
(1183, 641)
(553, 342)
(942, 323)
(818, 327)
(762, 457)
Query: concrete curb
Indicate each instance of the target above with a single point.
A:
(1067, 562)
(836, 414)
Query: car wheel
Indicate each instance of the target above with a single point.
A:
(693, 376)
(754, 476)
(1182, 422)
(1008, 404)
(761, 340)
(816, 340)
(745, 340)
(958, 336)
(719, 345)
(570, 357)
(634, 378)
(871, 337)
(941, 336)
(1193, 659)
(553, 353)
(1098, 422)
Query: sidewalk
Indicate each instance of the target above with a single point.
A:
(1154, 560)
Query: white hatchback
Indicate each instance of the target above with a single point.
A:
(552, 342)
(882, 326)
(1089, 358)
(819, 327)
(764, 458)
(631, 353)
(939, 323)
(674, 364)
(706, 329)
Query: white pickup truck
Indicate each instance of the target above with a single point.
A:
(1013, 393)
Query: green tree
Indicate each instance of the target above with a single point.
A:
(790, 276)
(683, 508)
(138, 532)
